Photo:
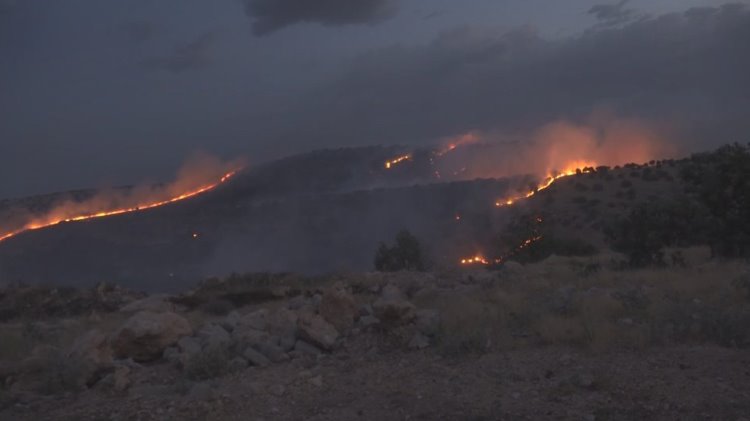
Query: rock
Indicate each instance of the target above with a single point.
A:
(121, 378)
(272, 352)
(156, 303)
(231, 321)
(419, 341)
(316, 381)
(244, 336)
(256, 358)
(297, 303)
(306, 348)
(92, 347)
(392, 308)
(237, 364)
(146, 335)
(428, 322)
(338, 308)
(255, 320)
(189, 346)
(212, 335)
(172, 355)
(283, 324)
(315, 329)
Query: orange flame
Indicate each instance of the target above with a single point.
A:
(480, 260)
(54, 220)
(571, 169)
(396, 161)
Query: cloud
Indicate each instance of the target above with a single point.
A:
(190, 56)
(139, 31)
(271, 15)
(7, 6)
(613, 14)
(686, 73)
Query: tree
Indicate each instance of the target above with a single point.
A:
(406, 254)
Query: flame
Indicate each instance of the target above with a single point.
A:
(53, 220)
(396, 161)
(480, 260)
(571, 169)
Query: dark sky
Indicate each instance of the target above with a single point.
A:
(98, 92)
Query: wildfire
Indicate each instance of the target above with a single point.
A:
(572, 169)
(54, 220)
(395, 161)
(480, 260)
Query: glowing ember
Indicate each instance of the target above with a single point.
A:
(573, 169)
(475, 260)
(395, 161)
(52, 220)
(479, 260)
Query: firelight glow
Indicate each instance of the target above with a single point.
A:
(52, 220)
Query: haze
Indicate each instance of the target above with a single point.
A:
(104, 92)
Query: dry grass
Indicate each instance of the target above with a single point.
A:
(557, 302)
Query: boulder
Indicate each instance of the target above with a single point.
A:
(273, 352)
(256, 358)
(338, 308)
(146, 335)
(392, 308)
(255, 320)
(303, 347)
(316, 330)
(211, 335)
(419, 341)
(92, 347)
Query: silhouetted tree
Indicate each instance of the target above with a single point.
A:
(406, 254)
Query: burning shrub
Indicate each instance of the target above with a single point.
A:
(405, 255)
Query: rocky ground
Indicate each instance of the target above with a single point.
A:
(480, 346)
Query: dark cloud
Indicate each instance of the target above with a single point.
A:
(271, 15)
(613, 14)
(193, 55)
(689, 72)
(7, 6)
(139, 31)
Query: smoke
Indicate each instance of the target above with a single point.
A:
(199, 174)
(562, 145)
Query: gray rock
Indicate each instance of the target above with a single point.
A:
(272, 352)
(256, 358)
(237, 364)
(189, 346)
(338, 308)
(306, 348)
(94, 348)
(277, 390)
(146, 335)
(316, 381)
(316, 330)
(214, 336)
(255, 320)
(365, 310)
(392, 308)
(231, 321)
(297, 303)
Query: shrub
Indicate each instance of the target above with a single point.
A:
(210, 363)
(406, 254)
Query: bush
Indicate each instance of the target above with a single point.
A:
(406, 254)
(208, 364)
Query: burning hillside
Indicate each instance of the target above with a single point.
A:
(197, 177)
